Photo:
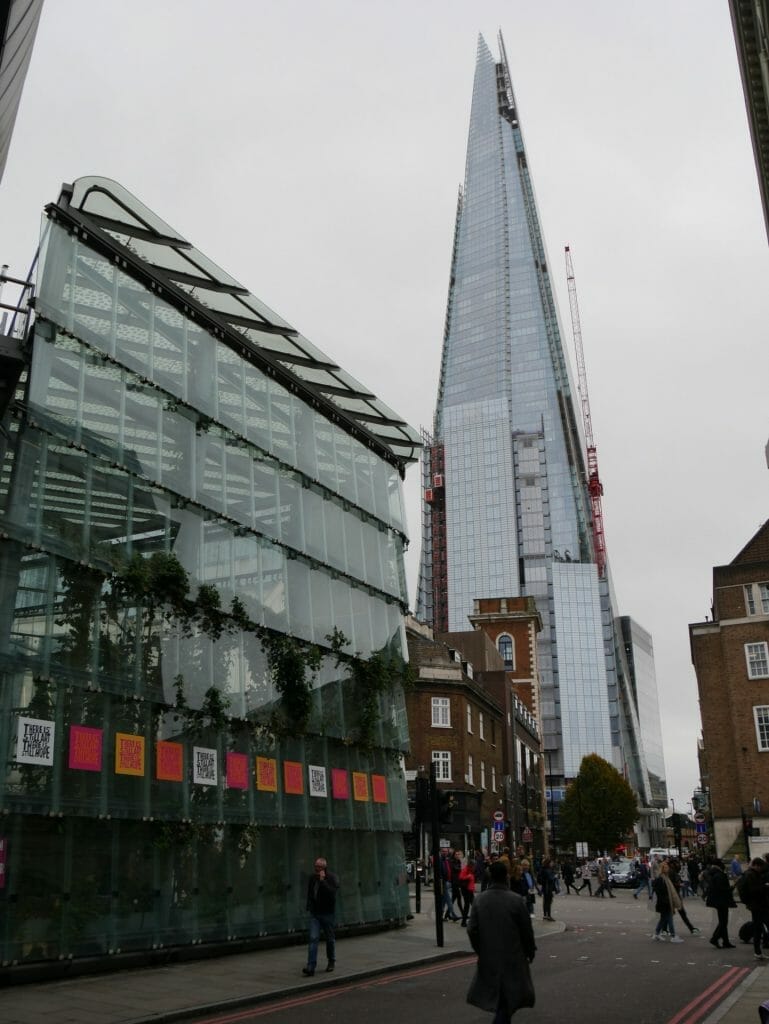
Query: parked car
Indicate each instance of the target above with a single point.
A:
(623, 873)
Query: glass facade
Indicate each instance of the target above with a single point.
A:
(518, 518)
(149, 798)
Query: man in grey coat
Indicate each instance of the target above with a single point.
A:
(500, 932)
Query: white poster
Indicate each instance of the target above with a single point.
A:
(204, 766)
(317, 778)
(34, 741)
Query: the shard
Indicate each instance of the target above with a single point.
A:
(507, 510)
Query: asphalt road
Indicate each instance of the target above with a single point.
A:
(603, 969)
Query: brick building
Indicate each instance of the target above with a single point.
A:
(731, 661)
(455, 722)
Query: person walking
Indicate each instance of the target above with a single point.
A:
(676, 877)
(322, 888)
(644, 880)
(467, 885)
(546, 880)
(719, 896)
(501, 935)
(753, 887)
(567, 874)
(604, 884)
(668, 902)
(531, 888)
(586, 878)
(444, 866)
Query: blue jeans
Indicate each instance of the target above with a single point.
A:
(666, 924)
(321, 923)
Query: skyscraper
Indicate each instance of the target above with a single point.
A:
(507, 509)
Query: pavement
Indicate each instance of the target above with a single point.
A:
(154, 995)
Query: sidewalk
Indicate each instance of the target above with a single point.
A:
(163, 994)
(227, 983)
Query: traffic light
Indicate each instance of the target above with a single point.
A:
(421, 801)
(446, 804)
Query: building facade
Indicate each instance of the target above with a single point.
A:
(507, 511)
(730, 653)
(18, 27)
(196, 504)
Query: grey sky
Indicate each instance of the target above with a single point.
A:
(314, 150)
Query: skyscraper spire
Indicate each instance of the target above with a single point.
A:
(507, 510)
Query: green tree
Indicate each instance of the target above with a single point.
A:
(599, 807)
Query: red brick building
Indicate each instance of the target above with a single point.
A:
(731, 661)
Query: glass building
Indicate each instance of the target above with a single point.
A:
(193, 498)
(507, 510)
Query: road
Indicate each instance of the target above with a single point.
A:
(603, 969)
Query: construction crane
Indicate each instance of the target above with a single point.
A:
(594, 485)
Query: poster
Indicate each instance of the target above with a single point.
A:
(204, 771)
(379, 789)
(169, 758)
(360, 785)
(34, 741)
(85, 748)
(236, 771)
(267, 774)
(129, 754)
(316, 777)
(340, 784)
(293, 781)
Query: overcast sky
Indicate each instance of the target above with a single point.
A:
(313, 149)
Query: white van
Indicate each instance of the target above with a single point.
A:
(663, 851)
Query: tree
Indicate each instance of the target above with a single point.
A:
(599, 807)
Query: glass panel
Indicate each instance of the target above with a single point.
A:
(291, 511)
(266, 498)
(169, 349)
(210, 489)
(133, 333)
(281, 426)
(200, 381)
(304, 431)
(177, 452)
(314, 535)
(256, 411)
(240, 505)
(336, 524)
(142, 427)
(230, 386)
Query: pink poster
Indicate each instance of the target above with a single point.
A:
(85, 748)
(340, 784)
(237, 771)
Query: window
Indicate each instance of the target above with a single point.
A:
(442, 762)
(469, 718)
(483, 774)
(481, 731)
(757, 657)
(470, 770)
(761, 716)
(756, 598)
(506, 648)
(441, 712)
(493, 778)
(493, 733)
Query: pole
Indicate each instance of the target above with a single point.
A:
(437, 873)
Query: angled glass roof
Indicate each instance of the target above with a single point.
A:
(117, 220)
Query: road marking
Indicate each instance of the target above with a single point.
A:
(700, 1005)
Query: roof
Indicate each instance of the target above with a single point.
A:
(118, 224)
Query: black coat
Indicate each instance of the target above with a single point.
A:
(719, 890)
(500, 932)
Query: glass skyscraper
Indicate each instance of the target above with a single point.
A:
(507, 510)
(192, 499)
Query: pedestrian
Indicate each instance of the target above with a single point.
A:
(567, 874)
(546, 880)
(500, 932)
(444, 866)
(531, 886)
(719, 896)
(676, 877)
(604, 882)
(694, 875)
(457, 893)
(668, 902)
(467, 885)
(735, 868)
(753, 887)
(321, 905)
(586, 877)
(644, 880)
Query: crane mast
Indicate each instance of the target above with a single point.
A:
(594, 485)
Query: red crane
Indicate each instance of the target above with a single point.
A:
(594, 485)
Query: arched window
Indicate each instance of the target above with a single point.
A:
(506, 648)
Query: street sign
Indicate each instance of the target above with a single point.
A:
(699, 818)
(499, 837)
(701, 826)
(499, 815)
(702, 838)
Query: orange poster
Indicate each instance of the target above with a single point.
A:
(360, 785)
(169, 761)
(379, 789)
(267, 774)
(129, 754)
(293, 778)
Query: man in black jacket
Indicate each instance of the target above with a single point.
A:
(753, 887)
(321, 905)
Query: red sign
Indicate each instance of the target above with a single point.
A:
(527, 835)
